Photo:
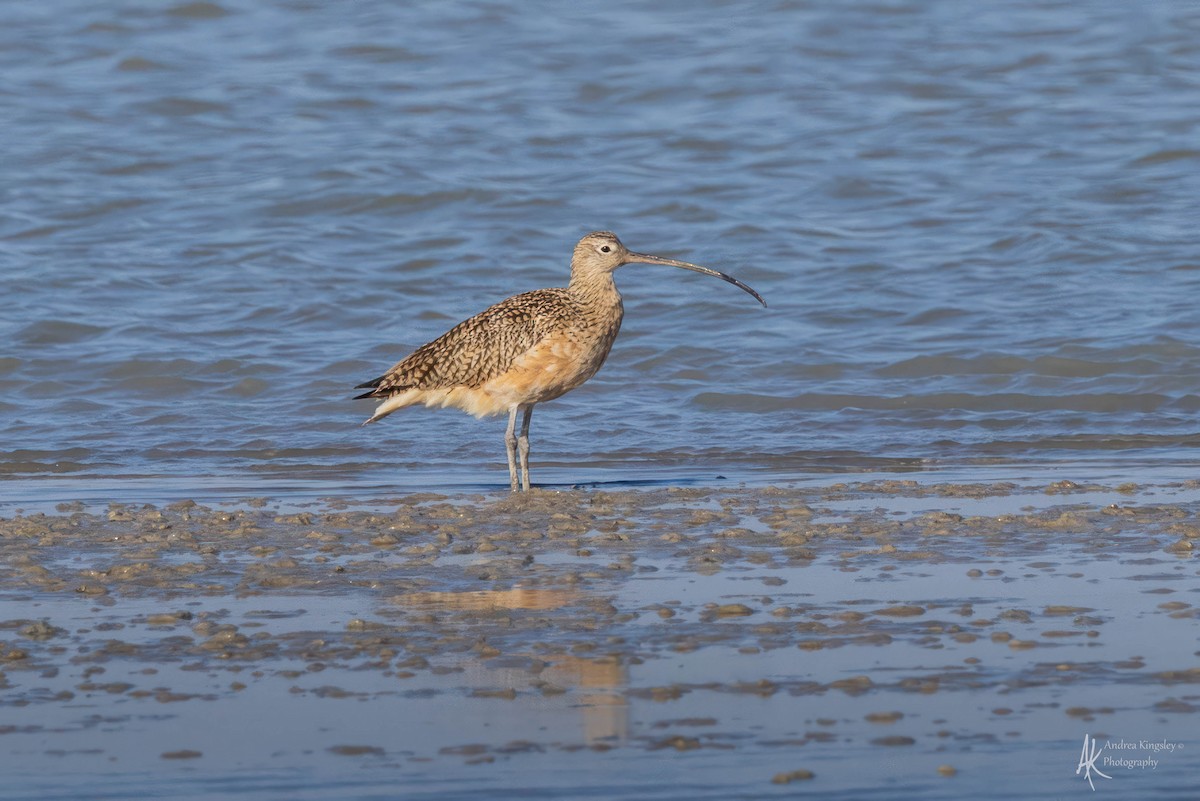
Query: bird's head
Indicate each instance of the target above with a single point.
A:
(600, 252)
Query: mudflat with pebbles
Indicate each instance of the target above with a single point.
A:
(849, 635)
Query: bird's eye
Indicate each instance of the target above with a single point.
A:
(605, 249)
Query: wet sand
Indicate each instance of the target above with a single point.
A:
(745, 642)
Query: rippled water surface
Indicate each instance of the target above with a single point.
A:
(975, 225)
(975, 230)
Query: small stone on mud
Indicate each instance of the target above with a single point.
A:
(678, 742)
(40, 630)
(893, 740)
(183, 754)
(901, 610)
(732, 610)
(1061, 610)
(356, 750)
(792, 776)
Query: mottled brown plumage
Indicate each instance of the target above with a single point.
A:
(524, 350)
(486, 345)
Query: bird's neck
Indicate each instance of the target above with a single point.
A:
(595, 289)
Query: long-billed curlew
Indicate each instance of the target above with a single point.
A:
(525, 350)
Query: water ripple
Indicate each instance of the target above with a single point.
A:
(976, 234)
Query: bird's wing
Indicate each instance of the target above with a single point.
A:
(480, 348)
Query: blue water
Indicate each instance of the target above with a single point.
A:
(975, 229)
(975, 225)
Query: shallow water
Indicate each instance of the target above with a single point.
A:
(893, 639)
(975, 230)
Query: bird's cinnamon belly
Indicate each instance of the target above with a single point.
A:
(552, 368)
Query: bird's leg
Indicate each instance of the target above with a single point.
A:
(523, 446)
(510, 445)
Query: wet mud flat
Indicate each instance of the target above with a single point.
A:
(842, 639)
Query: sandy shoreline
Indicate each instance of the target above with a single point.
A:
(779, 630)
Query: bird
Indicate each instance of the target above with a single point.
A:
(526, 350)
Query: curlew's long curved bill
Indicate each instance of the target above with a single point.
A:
(643, 258)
